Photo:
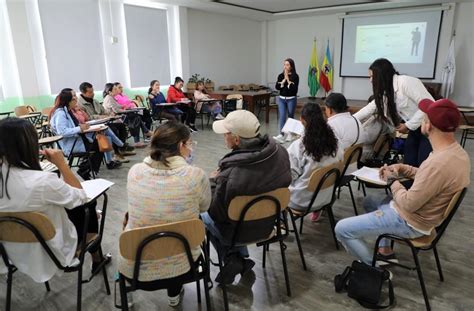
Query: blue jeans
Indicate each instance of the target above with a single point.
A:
(380, 219)
(285, 106)
(221, 244)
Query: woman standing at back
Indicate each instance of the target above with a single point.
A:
(287, 84)
(395, 103)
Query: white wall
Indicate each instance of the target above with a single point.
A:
(293, 38)
(463, 93)
(223, 48)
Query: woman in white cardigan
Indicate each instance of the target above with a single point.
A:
(318, 147)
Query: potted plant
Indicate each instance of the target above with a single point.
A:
(191, 85)
(209, 85)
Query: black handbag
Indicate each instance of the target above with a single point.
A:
(364, 284)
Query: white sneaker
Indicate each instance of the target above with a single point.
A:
(220, 117)
(280, 138)
(176, 300)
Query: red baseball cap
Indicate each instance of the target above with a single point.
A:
(443, 113)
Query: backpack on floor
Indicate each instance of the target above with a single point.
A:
(364, 284)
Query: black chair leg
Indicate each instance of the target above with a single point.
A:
(264, 255)
(301, 225)
(332, 221)
(285, 269)
(9, 289)
(338, 192)
(198, 290)
(123, 294)
(206, 281)
(352, 198)
(104, 273)
(298, 242)
(47, 286)
(79, 289)
(224, 288)
(363, 189)
(438, 264)
(420, 278)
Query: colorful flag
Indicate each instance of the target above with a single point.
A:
(325, 78)
(313, 72)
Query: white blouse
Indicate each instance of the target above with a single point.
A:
(42, 192)
(409, 91)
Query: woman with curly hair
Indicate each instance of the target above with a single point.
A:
(318, 147)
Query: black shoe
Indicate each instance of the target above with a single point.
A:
(113, 164)
(233, 267)
(128, 148)
(96, 264)
(247, 265)
(193, 128)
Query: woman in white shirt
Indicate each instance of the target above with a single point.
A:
(318, 147)
(24, 187)
(396, 99)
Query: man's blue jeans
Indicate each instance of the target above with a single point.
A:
(221, 244)
(380, 218)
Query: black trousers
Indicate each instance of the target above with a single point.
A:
(120, 130)
(78, 217)
(417, 148)
(174, 290)
(189, 114)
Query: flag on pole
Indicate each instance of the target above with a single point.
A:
(449, 71)
(326, 74)
(313, 72)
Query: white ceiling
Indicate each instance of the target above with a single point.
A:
(277, 6)
(261, 10)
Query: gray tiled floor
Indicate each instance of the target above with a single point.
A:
(265, 288)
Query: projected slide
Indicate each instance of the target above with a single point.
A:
(401, 43)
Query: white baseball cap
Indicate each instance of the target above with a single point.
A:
(239, 122)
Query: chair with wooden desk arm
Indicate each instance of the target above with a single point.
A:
(30, 227)
(324, 178)
(424, 243)
(352, 155)
(160, 242)
(269, 206)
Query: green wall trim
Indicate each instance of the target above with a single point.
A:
(43, 101)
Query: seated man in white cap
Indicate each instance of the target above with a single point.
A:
(256, 164)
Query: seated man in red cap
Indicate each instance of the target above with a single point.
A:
(255, 165)
(415, 212)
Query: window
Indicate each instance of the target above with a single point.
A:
(73, 43)
(148, 47)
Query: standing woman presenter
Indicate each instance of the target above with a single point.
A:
(287, 84)
(395, 103)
